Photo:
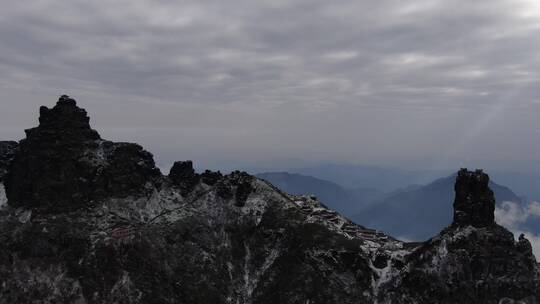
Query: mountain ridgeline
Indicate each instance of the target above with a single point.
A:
(414, 213)
(93, 221)
(346, 201)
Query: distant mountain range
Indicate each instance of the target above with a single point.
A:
(346, 201)
(415, 212)
(351, 176)
(389, 179)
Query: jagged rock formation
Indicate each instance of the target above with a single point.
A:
(183, 175)
(63, 163)
(116, 231)
(474, 204)
(472, 261)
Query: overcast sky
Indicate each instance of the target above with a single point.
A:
(403, 83)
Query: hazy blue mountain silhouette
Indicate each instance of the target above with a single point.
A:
(346, 201)
(381, 178)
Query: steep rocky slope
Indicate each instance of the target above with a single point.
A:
(91, 221)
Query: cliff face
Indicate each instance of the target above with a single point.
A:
(92, 221)
(474, 204)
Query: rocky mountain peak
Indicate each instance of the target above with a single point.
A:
(65, 120)
(63, 163)
(474, 203)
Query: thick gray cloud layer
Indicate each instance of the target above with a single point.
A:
(417, 82)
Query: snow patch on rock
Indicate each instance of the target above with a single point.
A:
(440, 257)
(389, 273)
(3, 198)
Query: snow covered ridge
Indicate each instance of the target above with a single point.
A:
(96, 222)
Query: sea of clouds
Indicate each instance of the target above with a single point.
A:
(514, 216)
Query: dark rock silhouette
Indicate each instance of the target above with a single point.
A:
(474, 203)
(64, 164)
(64, 122)
(183, 175)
